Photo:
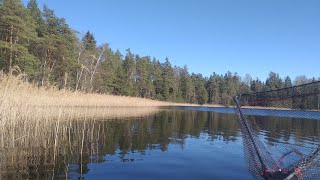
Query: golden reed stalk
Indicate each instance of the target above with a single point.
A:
(41, 126)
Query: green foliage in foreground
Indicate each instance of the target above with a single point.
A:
(48, 51)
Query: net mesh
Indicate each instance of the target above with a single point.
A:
(281, 132)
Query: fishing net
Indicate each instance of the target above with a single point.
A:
(281, 132)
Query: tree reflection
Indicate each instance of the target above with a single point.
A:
(83, 142)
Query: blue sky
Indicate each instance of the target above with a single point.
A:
(243, 36)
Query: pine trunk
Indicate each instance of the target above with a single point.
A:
(11, 48)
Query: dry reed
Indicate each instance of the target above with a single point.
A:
(39, 126)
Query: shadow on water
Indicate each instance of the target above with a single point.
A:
(172, 143)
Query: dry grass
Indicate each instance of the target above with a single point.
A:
(19, 96)
(16, 91)
(25, 110)
(22, 101)
(39, 125)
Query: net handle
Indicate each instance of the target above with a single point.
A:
(242, 119)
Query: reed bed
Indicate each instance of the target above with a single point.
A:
(55, 147)
(21, 93)
(42, 126)
(43, 129)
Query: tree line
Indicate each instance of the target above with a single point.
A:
(47, 51)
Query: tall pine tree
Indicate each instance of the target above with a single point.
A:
(17, 31)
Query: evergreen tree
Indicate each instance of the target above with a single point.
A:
(213, 88)
(104, 83)
(232, 81)
(59, 46)
(169, 89)
(156, 78)
(201, 94)
(129, 66)
(89, 41)
(224, 91)
(177, 72)
(274, 81)
(256, 86)
(187, 86)
(143, 81)
(287, 82)
(120, 76)
(37, 17)
(16, 34)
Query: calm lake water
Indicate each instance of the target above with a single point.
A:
(173, 143)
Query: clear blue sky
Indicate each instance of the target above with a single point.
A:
(244, 36)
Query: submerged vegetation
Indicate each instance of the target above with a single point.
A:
(49, 52)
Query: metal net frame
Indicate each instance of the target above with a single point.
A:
(294, 116)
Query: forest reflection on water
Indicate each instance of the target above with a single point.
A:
(169, 143)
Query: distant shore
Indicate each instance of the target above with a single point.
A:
(19, 99)
(22, 99)
(15, 91)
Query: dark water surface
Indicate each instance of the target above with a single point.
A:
(174, 143)
(182, 143)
